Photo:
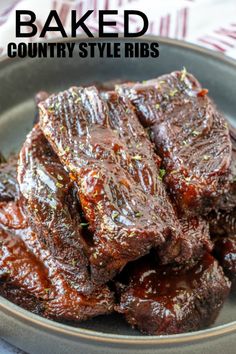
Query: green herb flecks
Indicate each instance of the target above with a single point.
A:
(183, 74)
(195, 133)
(173, 92)
(84, 224)
(73, 262)
(136, 157)
(162, 173)
(115, 215)
(206, 157)
(78, 100)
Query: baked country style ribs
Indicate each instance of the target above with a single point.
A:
(31, 277)
(172, 299)
(52, 206)
(117, 177)
(122, 199)
(191, 136)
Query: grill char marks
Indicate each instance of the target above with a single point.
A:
(190, 134)
(169, 300)
(118, 185)
(53, 208)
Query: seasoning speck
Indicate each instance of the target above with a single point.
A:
(183, 74)
(173, 92)
(202, 93)
(115, 214)
(78, 100)
(195, 133)
(84, 224)
(136, 157)
(162, 173)
(73, 262)
(206, 157)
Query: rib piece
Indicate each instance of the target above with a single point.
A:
(27, 269)
(195, 238)
(118, 183)
(162, 300)
(191, 136)
(52, 207)
(9, 189)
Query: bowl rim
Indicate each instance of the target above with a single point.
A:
(56, 328)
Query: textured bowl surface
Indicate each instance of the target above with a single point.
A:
(20, 80)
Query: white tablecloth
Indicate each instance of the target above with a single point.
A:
(210, 23)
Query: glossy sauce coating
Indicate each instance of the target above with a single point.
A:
(121, 194)
(95, 155)
(27, 268)
(52, 207)
(194, 238)
(167, 300)
(191, 136)
(19, 267)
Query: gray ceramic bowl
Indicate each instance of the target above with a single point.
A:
(20, 80)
